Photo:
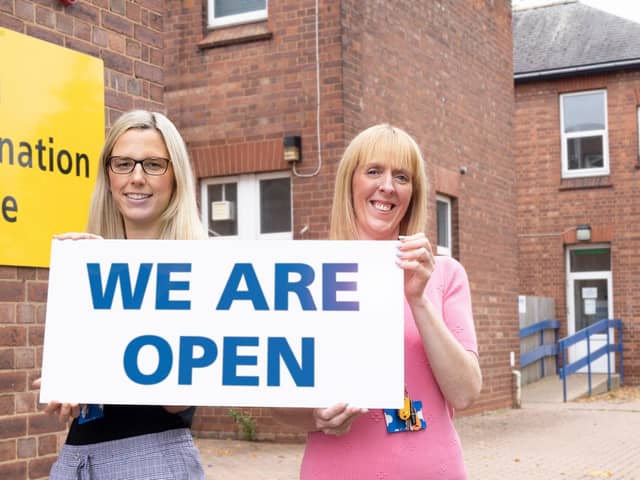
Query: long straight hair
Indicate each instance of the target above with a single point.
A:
(180, 220)
(397, 149)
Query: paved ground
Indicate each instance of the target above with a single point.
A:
(554, 441)
(238, 460)
(580, 440)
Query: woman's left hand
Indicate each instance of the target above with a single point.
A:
(337, 419)
(415, 257)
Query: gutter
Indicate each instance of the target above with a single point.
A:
(579, 70)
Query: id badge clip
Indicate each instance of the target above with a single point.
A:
(409, 418)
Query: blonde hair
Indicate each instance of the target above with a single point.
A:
(395, 147)
(180, 220)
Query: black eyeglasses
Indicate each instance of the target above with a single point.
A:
(150, 165)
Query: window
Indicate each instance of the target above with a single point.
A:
(590, 259)
(638, 125)
(254, 206)
(443, 217)
(585, 140)
(232, 12)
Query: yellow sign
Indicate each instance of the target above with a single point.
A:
(51, 132)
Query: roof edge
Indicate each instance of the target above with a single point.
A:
(536, 4)
(578, 70)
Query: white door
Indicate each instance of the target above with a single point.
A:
(589, 299)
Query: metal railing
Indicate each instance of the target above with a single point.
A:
(538, 353)
(601, 326)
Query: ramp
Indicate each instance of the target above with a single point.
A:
(549, 389)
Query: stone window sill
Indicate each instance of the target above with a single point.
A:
(249, 32)
(585, 182)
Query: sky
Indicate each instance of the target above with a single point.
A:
(623, 8)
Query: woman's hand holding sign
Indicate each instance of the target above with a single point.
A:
(337, 419)
(64, 411)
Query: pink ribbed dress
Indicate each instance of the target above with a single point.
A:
(367, 451)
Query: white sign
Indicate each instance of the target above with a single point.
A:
(589, 306)
(522, 304)
(271, 323)
(589, 292)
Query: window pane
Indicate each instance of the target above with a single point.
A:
(590, 260)
(217, 193)
(224, 8)
(275, 205)
(593, 308)
(583, 112)
(442, 213)
(214, 193)
(585, 152)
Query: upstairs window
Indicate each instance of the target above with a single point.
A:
(585, 139)
(443, 216)
(232, 12)
(638, 157)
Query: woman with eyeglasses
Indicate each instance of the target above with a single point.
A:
(144, 190)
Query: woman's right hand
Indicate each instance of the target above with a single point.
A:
(77, 236)
(337, 419)
(64, 411)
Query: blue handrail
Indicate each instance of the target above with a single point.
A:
(543, 350)
(601, 326)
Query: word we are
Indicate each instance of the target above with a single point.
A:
(290, 279)
(132, 296)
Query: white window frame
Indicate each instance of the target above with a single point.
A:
(585, 172)
(638, 128)
(227, 21)
(248, 207)
(444, 249)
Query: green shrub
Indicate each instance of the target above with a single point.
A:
(246, 423)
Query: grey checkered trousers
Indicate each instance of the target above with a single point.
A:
(169, 455)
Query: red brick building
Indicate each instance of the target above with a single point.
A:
(577, 91)
(236, 84)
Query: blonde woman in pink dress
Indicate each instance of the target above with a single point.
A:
(381, 194)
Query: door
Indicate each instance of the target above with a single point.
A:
(589, 299)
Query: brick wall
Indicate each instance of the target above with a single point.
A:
(443, 72)
(251, 92)
(28, 440)
(549, 206)
(127, 35)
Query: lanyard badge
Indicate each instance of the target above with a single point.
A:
(90, 412)
(409, 418)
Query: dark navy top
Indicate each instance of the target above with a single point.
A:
(124, 421)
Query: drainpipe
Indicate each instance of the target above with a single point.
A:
(516, 383)
(516, 394)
